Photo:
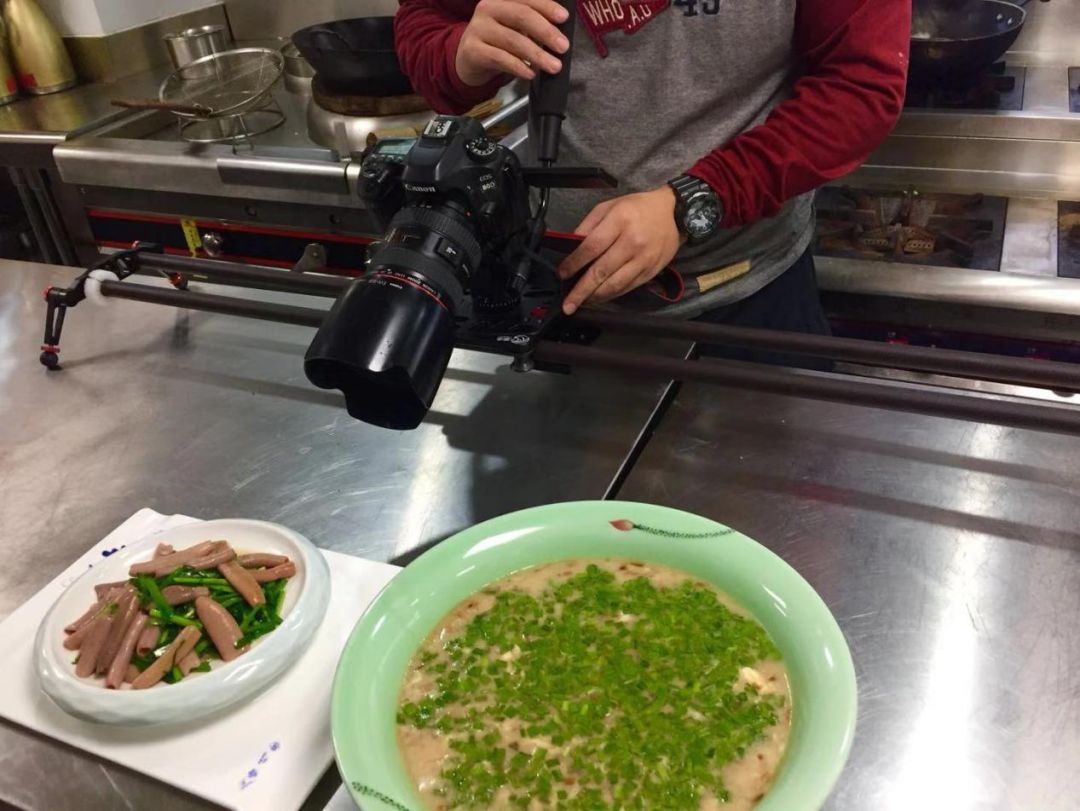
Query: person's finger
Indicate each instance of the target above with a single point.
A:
(526, 20)
(629, 277)
(613, 261)
(521, 46)
(592, 247)
(594, 218)
(555, 12)
(499, 60)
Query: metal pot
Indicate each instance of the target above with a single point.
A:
(955, 44)
(192, 44)
(355, 57)
(298, 71)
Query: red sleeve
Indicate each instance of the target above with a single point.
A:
(854, 55)
(426, 34)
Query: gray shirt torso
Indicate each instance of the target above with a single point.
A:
(665, 96)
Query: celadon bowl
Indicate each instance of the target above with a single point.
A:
(375, 658)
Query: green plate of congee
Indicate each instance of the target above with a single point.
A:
(595, 655)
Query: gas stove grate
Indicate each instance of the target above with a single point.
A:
(1000, 88)
(1069, 240)
(940, 230)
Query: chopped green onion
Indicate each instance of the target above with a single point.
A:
(626, 689)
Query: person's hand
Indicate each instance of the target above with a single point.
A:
(510, 36)
(631, 239)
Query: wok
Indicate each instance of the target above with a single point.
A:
(354, 57)
(954, 44)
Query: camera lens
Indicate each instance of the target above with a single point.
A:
(388, 338)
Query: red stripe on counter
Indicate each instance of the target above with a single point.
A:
(247, 229)
(234, 257)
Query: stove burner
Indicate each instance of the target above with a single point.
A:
(1000, 88)
(1069, 240)
(1074, 90)
(945, 230)
(365, 105)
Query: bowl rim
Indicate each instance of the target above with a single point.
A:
(813, 785)
(131, 708)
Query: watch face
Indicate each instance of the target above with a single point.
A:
(702, 216)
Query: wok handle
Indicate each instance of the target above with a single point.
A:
(200, 110)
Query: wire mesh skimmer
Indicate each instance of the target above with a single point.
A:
(225, 96)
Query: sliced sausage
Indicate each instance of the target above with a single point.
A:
(164, 663)
(86, 618)
(126, 609)
(167, 563)
(178, 595)
(132, 674)
(120, 665)
(258, 560)
(285, 570)
(189, 644)
(91, 647)
(189, 662)
(102, 589)
(241, 580)
(77, 639)
(220, 626)
(221, 553)
(163, 549)
(148, 640)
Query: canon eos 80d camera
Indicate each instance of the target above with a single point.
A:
(457, 265)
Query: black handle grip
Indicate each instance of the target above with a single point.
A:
(548, 94)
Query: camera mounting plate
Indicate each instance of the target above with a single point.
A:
(568, 177)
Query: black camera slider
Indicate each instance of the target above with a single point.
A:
(564, 344)
(497, 331)
(568, 177)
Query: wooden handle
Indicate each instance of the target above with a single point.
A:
(155, 104)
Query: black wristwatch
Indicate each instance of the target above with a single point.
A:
(698, 210)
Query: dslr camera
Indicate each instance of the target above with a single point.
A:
(457, 265)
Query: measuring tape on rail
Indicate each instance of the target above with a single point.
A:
(191, 236)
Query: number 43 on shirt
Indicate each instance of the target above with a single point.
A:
(690, 7)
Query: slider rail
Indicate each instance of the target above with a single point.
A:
(241, 275)
(918, 399)
(1062, 419)
(210, 303)
(1061, 377)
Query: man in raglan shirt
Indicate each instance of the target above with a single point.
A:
(719, 117)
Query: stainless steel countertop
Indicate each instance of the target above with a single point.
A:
(950, 554)
(59, 116)
(211, 416)
(948, 551)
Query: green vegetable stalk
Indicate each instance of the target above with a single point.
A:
(254, 621)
